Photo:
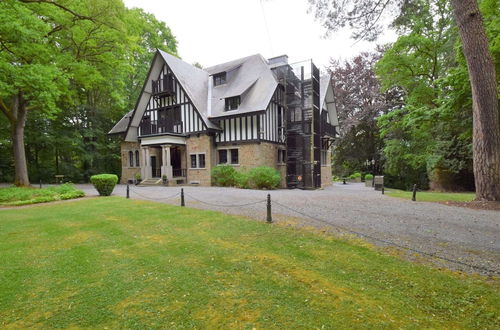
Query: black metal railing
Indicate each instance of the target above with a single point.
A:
(179, 172)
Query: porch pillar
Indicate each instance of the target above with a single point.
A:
(145, 164)
(166, 168)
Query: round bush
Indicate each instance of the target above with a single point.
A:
(104, 183)
(355, 175)
(368, 177)
(264, 177)
(224, 176)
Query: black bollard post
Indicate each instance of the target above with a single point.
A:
(128, 190)
(269, 215)
(40, 184)
(382, 190)
(343, 181)
(414, 196)
(182, 197)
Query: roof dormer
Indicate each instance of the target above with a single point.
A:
(232, 103)
(219, 78)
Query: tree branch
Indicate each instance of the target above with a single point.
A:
(64, 8)
(7, 112)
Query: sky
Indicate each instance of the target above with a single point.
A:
(216, 31)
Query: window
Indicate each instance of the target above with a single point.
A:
(222, 156)
(232, 103)
(193, 161)
(281, 156)
(131, 158)
(137, 158)
(233, 156)
(219, 78)
(197, 161)
(201, 160)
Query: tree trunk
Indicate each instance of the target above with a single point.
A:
(486, 135)
(17, 132)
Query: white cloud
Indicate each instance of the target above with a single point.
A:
(215, 31)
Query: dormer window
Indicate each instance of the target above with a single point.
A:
(232, 103)
(219, 78)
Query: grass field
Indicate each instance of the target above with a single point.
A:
(15, 196)
(431, 196)
(113, 262)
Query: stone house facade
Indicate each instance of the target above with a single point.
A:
(246, 113)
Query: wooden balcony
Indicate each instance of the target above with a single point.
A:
(164, 86)
(167, 125)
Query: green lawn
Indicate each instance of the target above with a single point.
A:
(431, 196)
(15, 196)
(113, 262)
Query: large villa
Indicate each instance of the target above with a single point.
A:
(248, 112)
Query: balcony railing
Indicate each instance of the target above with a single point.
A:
(164, 86)
(179, 172)
(167, 125)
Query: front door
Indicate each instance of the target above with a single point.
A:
(175, 158)
(175, 161)
(154, 167)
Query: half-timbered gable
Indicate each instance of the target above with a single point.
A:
(170, 110)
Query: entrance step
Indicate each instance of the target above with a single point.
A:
(151, 182)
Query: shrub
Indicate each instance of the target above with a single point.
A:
(104, 183)
(23, 196)
(242, 180)
(264, 177)
(369, 177)
(355, 175)
(224, 176)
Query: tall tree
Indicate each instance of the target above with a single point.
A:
(359, 103)
(36, 64)
(79, 66)
(364, 16)
(486, 133)
(429, 137)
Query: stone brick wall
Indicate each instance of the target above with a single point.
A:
(201, 144)
(326, 171)
(128, 172)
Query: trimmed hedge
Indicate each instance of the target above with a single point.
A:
(264, 177)
(261, 177)
(104, 183)
(368, 177)
(224, 175)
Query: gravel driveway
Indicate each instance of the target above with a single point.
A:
(465, 235)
